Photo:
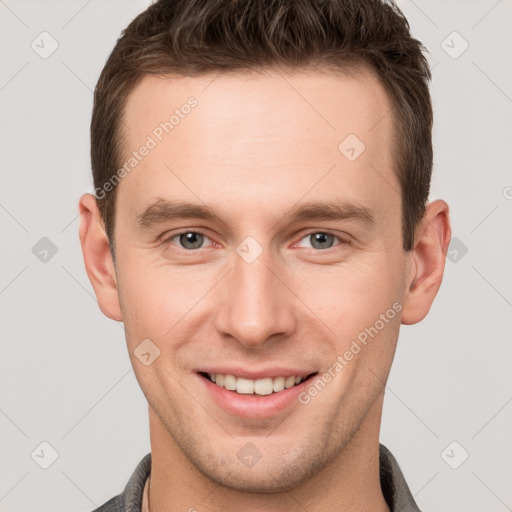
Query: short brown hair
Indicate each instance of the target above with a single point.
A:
(193, 37)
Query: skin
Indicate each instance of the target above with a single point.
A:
(257, 145)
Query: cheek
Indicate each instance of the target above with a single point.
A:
(147, 301)
(351, 296)
(360, 303)
(158, 300)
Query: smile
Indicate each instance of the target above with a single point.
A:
(262, 387)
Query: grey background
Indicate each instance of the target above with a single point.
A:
(65, 374)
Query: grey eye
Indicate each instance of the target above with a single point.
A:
(191, 240)
(321, 240)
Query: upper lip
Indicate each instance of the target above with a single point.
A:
(256, 374)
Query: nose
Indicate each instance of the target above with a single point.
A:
(256, 303)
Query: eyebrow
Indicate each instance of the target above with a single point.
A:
(163, 210)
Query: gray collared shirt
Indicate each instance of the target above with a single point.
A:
(394, 487)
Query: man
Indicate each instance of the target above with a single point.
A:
(260, 225)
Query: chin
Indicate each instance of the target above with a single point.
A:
(278, 468)
(267, 479)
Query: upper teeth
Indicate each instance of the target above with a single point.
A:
(264, 386)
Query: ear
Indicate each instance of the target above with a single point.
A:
(427, 262)
(97, 257)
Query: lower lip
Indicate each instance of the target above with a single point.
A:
(254, 406)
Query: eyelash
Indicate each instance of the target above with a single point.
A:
(168, 240)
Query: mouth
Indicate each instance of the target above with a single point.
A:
(255, 394)
(256, 387)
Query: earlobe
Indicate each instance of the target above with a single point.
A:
(97, 258)
(427, 262)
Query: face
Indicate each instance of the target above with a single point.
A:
(251, 246)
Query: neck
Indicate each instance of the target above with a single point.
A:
(349, 482)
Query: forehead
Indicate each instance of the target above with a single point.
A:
(264, 134)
